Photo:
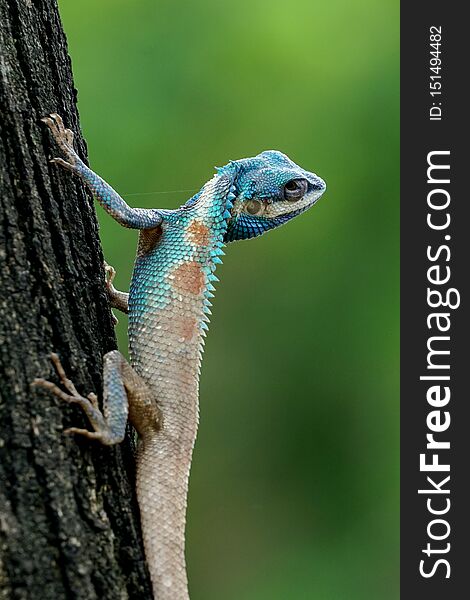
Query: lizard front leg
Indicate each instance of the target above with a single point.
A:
(117, 299)
(110, 200)
(124, 394)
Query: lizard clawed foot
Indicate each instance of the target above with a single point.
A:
(64, 138)
(117, 299)
(89, 405)
(110, 274)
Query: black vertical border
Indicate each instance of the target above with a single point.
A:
(419, 136)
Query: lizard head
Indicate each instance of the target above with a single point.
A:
(270, 190)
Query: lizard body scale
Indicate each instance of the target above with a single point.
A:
(168, 306)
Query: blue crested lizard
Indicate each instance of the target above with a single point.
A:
(168, 306)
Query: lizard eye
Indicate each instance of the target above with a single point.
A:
(253, 207)
(295, 189)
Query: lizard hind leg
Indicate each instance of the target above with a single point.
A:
(121, 385)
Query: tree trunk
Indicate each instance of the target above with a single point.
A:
(69, 524)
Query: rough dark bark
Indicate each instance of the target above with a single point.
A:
(69, 525)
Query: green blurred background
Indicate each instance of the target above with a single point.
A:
(294, 487)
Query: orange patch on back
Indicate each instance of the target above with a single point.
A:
(189, 278)
(185, 328)
(198, 233)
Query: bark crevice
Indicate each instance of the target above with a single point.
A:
(69, 522)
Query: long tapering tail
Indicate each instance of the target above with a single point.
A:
(162, 485)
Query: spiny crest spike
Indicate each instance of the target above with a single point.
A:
(217, 260)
